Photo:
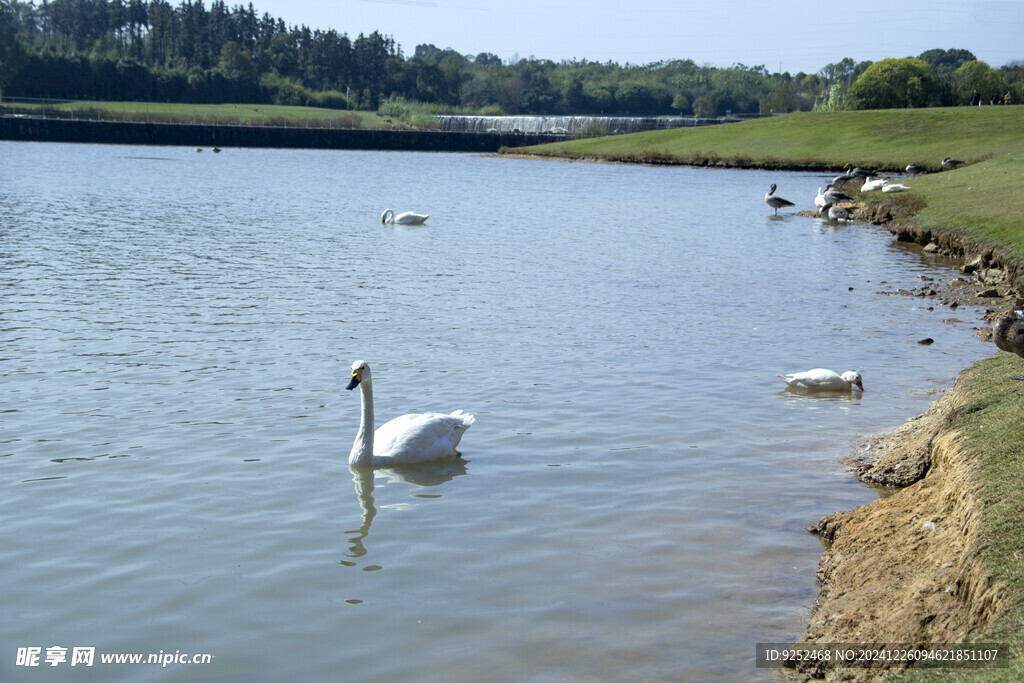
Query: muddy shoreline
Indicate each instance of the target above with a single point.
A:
(904, 568)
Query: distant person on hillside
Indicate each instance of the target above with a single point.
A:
(995, 98)
(1007, 98)
(976, 99)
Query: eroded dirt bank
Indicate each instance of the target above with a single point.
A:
(904, 568)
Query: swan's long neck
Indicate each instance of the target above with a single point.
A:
(362, 449)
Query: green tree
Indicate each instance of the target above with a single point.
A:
(978, 75)
(681, 103)
(236, 63)
(11, 54)
(893, 84)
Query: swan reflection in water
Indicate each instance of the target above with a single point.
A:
(421, 476)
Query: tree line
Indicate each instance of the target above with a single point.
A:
(151, 50)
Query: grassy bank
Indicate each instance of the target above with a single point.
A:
(980, 203)
(229, 114)
(888, 139)
(993, 443)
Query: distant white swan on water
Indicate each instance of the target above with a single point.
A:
(405, 218)
(405, 440)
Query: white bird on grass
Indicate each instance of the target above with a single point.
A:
(776, 202)
(821, 379)
(405, 440)
(894, 187)
(872, 185)
(404, 218)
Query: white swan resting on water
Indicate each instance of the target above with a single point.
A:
(405, 440)
(821, 379)
(405, 218)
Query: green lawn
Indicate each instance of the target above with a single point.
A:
(240, 114)
(888, 139)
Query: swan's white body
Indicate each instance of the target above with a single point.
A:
(872, 185)
(820, 200)
(820, 379)
(405, 218)
(405, 440)
(894, 187)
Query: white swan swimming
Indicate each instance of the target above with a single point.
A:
(872, 185)
(776, 202)
(405, 218)
(405, 440)
(821, 379)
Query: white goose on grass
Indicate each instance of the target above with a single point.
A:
(894, 187)
(776, 202)
(404, 218)
(405, 440)
(821, 379)
(872, 185)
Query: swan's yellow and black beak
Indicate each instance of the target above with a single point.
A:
(357, 377)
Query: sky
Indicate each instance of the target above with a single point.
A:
(781, 35)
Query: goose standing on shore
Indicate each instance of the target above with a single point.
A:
(405, 440)
(834, 196)
(1009, 333)
(821, 379)
(914, 169)
(857, 171)
(949, 163)
(776, 202)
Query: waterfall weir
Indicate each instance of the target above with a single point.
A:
(570, 126)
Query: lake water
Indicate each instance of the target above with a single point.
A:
(176, 331)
